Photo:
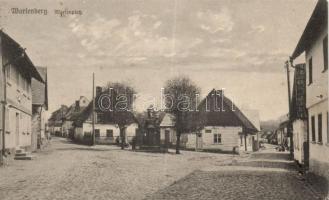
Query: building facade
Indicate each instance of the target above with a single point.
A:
(16, 96)
(222, 127)
(314, 43)
(55, 121)
(107, 124)
(39, 107)
(71, 114)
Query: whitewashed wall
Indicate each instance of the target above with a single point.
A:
(319, 152)
(299, 130)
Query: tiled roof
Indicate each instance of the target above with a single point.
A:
(21, 58)
(316, 23)
(123, 117)
(58, 114)
(39, 89)
(228, 115)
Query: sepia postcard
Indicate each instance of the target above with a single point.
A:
(164, 100)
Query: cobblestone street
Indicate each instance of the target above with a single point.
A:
(244, 184)
(71, 171)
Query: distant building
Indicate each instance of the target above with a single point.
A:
(314, 43)
(55, 122)
(225, 127)
(71, 114)
(39, 108)
(107, 130)
(17, 71)
(283, 139)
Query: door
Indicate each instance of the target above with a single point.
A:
(17, 129)
(167, 138)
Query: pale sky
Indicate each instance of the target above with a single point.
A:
(239, 45)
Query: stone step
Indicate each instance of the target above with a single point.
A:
(21, 154)
(27, 157)
(20, 150)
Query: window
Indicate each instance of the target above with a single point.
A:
(217, 138)
(13, 74)
(325, 53)
(18, 77)
(8, 69)
(319, 127)
(313, 128)
(21, 82)
(208, 131)
(7, 121)
(310, 71)
(109, 133)
(97, 133)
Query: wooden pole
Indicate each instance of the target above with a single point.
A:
(289, 128)
(93, 111)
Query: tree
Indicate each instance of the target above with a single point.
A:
(122, 97)
(181, 99)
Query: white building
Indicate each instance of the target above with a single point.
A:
(222, 129)
(314, 43)
(71, 114)
(107, 130)
(16, 73)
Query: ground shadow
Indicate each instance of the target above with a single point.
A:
(319, 184)
(85, 149)
(279, 156)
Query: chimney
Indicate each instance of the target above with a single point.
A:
(98, 91)
(77, 105)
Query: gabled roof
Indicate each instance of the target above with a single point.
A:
(72, 114)
(168, 120)
(74, 111)
(58, 114)
(19, 56)
(318, 21)
(104, 117)
(228, 115)
(39, 89)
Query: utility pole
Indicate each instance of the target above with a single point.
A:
(93, 111)
(289, 128)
